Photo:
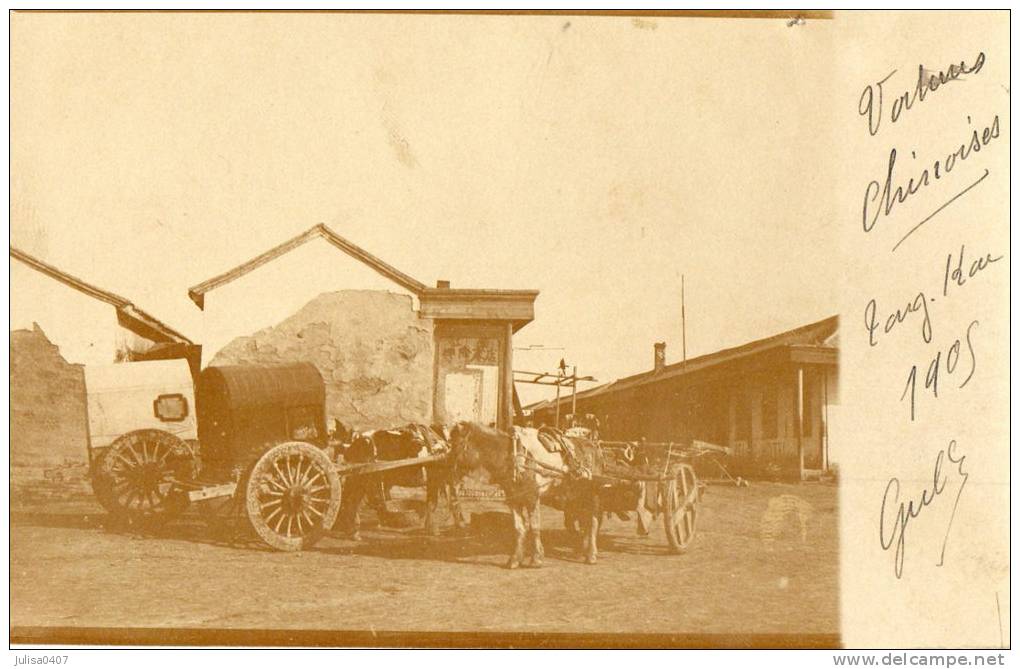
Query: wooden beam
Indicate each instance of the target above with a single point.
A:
(814, 355)
(364, 468)
(210, 492)
(507, 374)
(573, 393)
(800, 420)
(824, 419)
(197, 292)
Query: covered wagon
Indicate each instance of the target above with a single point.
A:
(256, 433)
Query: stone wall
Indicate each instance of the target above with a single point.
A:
(48, 418)
(374, 352)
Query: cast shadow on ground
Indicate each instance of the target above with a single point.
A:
(486, 543)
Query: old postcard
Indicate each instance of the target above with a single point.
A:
(925, 183)
(573, 329)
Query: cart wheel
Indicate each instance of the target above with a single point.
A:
(293, 496)
(135, 479)
(681, 509)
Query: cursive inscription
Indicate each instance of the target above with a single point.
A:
(882, 196)
(871, 103)
(896, 514)
(955, 275)
(918, 305)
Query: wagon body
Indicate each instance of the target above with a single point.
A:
(244, 410)
(124, 397)
(253, 433)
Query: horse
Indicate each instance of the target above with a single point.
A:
(530, 465)
(409, 441)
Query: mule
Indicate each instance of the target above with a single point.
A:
(409, 441)
(530, 465)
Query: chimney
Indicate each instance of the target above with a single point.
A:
(660, 356)
(442, 284)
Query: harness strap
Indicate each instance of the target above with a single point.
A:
(522, 463)
(515, 442)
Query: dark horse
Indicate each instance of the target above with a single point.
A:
(531, 465)
(405, 442)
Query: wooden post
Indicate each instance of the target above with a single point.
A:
(558, 401)
(683, 323)
(506, 410)
(825, 420)
(573, 394)
(800, 419)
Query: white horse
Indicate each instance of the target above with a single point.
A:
(528, 465)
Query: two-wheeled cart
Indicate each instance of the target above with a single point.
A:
(653, 479)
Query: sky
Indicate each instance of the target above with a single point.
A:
(595, 159)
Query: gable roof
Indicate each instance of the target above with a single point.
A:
(197, 292)
(137, 319)
(821, 334)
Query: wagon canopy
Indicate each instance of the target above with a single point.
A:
(240, 387)
(245, 409)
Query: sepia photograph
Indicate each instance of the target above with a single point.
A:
(426, 329)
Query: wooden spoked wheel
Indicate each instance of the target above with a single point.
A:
(292, 496)
(681, 509)
(135, 479)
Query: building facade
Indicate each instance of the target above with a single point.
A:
(391, 349)
(769, 401)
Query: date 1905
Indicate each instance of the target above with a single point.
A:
(950, 361)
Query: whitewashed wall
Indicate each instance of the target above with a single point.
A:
(274, 291)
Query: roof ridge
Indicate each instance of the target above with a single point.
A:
(69, 279)
(198, 291)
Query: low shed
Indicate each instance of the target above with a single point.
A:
(769, 400)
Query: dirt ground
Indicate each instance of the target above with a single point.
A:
(68, 569)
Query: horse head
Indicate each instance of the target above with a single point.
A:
(465, 455)
(362, 447)
(474, 446)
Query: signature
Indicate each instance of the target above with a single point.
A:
(896, 515)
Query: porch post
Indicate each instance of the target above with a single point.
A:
(825, 420)
(800, 419)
